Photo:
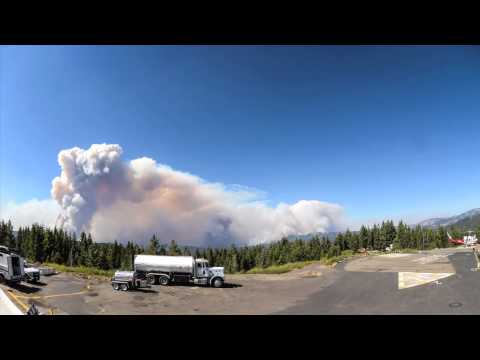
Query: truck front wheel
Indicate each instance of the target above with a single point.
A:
(163, 280)
(2, 279)
(218, 283)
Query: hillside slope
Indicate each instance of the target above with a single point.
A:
(468, 220)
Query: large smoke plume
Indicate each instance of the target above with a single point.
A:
(117, 200)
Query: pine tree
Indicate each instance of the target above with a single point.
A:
(339, 241)
(173, 249)
(102, 258)
(390, 233)
(20, 241)
(154, 246)
(10, 237)
(363, 237)
(401, 240)
(116, 255)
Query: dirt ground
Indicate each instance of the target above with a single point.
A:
(66, 293)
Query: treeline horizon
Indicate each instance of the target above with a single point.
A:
(42, 244)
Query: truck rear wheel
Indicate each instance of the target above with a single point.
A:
(152, 280)
(115, 286)
(164, 280)
(2, 279)
(124, 287)
(218, 283)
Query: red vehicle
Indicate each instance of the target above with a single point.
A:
(468, 240)
(455, 241)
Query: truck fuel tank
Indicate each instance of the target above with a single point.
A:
(123, 275)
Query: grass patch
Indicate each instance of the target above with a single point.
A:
(83, 270)
(347, 253)
(335, 259)
(280, 269)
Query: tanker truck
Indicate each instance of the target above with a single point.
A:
(165, 270)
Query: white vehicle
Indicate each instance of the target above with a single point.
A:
(163, 270)
(46, 271)
(11, 266)
(470, 238)
(32, 274)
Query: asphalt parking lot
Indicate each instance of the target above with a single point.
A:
(441, 281)
(243, 294)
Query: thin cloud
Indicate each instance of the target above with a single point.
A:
(44, 212)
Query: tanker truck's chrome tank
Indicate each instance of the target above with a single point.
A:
(154, 263)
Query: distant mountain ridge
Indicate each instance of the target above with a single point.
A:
(329, 235)
(465, 221)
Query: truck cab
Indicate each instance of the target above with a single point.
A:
(208, 275)
(201, 267)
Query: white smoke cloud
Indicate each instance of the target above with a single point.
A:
(43, 212)
(100, 193)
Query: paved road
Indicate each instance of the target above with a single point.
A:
(350, 292)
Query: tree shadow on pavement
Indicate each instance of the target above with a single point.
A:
(225, 285)
(25, 289)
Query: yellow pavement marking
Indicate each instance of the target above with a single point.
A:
(25, 307)
(412, 279)
(18, 301)
(51, 296)
(22, 304)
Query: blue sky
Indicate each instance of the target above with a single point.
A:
(384, 131)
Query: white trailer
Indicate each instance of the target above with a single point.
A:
(165, 270)
(11, 266)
